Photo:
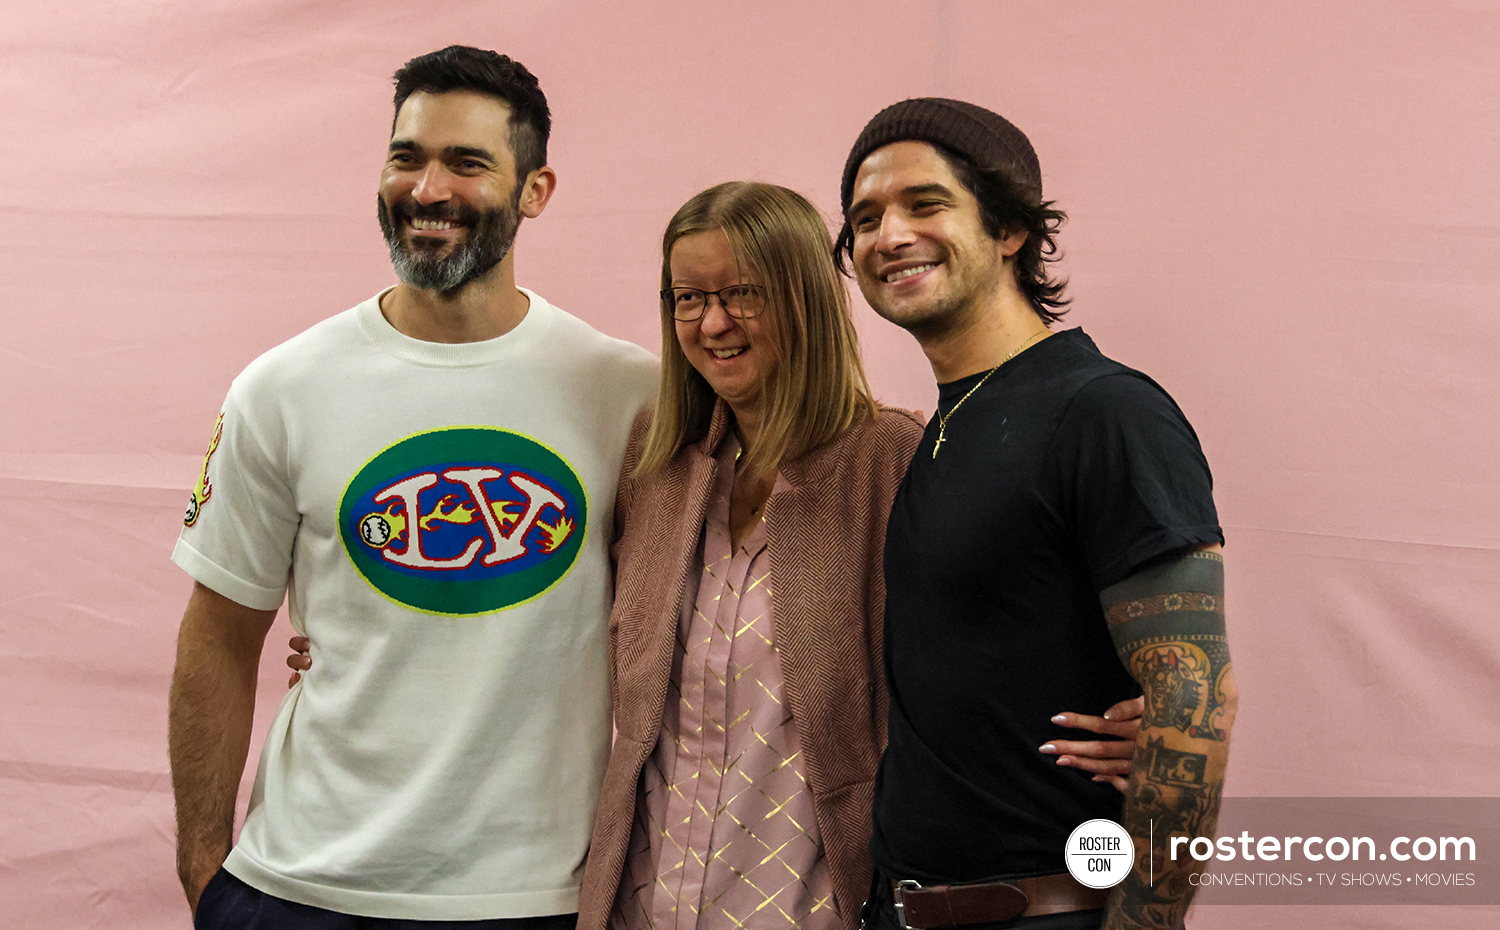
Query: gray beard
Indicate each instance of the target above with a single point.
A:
(491, 235)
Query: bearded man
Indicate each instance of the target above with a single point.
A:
(430, 476)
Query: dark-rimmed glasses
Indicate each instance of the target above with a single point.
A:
(738, 300)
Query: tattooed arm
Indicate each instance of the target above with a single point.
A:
(1167, 622)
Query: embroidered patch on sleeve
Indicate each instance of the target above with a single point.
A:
(205, 488)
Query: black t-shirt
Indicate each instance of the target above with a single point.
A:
(1061, 475)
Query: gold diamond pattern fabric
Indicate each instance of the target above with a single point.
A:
(724, 834)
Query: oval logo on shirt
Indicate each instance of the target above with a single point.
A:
(464, 521)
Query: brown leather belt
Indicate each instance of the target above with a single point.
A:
(936, 906)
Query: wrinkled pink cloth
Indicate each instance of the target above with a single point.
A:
(724, 834)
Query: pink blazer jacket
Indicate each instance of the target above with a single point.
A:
(826, 535)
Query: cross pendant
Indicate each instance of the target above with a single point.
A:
(937, 445)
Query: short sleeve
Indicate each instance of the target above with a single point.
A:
(242, 519)
(1132, 482)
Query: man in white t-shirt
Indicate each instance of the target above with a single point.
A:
(428, 478)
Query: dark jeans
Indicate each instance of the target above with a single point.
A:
(882, 916)
(230, 904)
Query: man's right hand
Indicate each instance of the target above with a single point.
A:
(210, 712)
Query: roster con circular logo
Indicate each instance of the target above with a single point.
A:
(1100, 853)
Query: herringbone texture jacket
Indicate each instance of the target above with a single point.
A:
(826, 535)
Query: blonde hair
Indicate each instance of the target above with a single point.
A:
(816, 389)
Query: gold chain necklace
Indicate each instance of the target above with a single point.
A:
(943, 418)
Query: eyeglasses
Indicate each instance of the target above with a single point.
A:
(738, 300)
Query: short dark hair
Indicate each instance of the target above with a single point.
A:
(461, 67)
(1003, 208)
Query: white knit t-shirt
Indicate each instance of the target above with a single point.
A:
(439, 516)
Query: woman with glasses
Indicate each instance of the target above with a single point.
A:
(747, 672)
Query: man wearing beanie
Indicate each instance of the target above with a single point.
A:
(1055, 544)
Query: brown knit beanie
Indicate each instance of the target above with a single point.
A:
(987, 139)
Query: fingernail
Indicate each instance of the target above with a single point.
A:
(1060, 718)
(1049, 747)
(1107, 716)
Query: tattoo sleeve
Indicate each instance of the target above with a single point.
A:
(1167, 622)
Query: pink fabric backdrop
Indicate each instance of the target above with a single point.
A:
(1284, 211)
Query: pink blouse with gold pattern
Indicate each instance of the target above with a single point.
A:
(724, 834)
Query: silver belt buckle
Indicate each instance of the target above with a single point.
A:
(897, 892)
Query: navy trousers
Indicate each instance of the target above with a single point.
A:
(230, 904)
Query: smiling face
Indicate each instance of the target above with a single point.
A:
(921, 253)
(733, 355)
(449, 195)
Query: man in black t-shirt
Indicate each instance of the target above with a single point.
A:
(1055, 544)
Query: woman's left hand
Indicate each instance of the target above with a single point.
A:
(1108, 759)
(299, 661)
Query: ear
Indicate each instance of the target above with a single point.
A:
(536, 190)
(1010, 243)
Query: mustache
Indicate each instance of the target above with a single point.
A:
(453, 212)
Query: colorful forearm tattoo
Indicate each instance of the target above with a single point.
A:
(1167, 622)
(1168, 625)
